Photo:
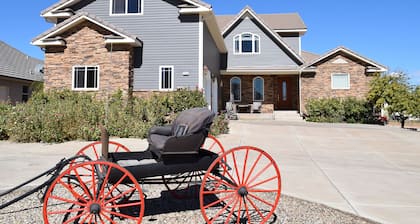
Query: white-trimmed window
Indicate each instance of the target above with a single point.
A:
(246, 43)
(258, 89)
(166, 78)
(340, 81)
(124, 7)
(85, 78)
(235, 89)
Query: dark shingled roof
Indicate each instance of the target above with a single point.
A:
(16, 64)
(309, 56)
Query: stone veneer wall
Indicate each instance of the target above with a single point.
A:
(86, 47)
(319, 85)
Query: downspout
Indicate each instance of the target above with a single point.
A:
(300, 91)
(200, 54)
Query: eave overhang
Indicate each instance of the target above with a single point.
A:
(260, 72)
(51, 38)
(300, 31)
(371, 66)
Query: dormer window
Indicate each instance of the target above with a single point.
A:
(246, 43)
(124, 7)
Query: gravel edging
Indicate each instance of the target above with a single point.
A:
(163, 208)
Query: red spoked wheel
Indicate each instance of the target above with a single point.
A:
(187, 185)
(241, 186)
(94, 192)
(94, 149)
(213, 144)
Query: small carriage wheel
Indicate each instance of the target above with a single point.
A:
(93, 150)
(241, 186)
(186, 185)
(213, 144)
(99, 192)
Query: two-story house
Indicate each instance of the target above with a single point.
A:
(146, 46)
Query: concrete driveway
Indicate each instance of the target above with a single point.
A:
(371, 171)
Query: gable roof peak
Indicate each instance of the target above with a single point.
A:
(53, 33)
(264, 26)
(345, 50)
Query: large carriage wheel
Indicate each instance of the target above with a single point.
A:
(186, 185)
(98, 192)
(94, 149)
(241, 186)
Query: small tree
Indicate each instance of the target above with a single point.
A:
(415, 109)
(394, 90)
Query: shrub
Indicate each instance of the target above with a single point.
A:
(220, 125)
(350, 110)
(356, 110)
(4, 111)
(58, 116)
(325, 110)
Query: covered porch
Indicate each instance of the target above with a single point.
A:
(263, 93)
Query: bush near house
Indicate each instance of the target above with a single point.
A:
(4, 111)
(335, 110)
(58, 116)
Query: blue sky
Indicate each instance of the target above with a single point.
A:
(385, 31)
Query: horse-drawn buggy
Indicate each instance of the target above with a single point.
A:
(103, 183)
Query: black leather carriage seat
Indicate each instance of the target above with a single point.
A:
(184, 137)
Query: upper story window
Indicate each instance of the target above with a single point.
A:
(123, 7)
(166, 78)
(246, 43)
(235, 89)
(258, 84)
(340, 81)
(85, 77)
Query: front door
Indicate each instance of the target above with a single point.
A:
(287, 94)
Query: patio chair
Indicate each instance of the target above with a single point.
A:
(256, 107)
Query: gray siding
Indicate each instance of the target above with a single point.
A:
(211, 53)
(166, 40)
(271, 54)
(293, 43)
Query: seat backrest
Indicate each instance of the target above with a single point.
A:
(193, 121)
(189, 131)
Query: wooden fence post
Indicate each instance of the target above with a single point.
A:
(104, 141)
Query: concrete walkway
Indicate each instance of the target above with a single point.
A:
(371, 171)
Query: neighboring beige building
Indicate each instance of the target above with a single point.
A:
(17, 73)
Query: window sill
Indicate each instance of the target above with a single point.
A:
(166, 90)
(85, 90)
(126, 14)
(246, 53)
